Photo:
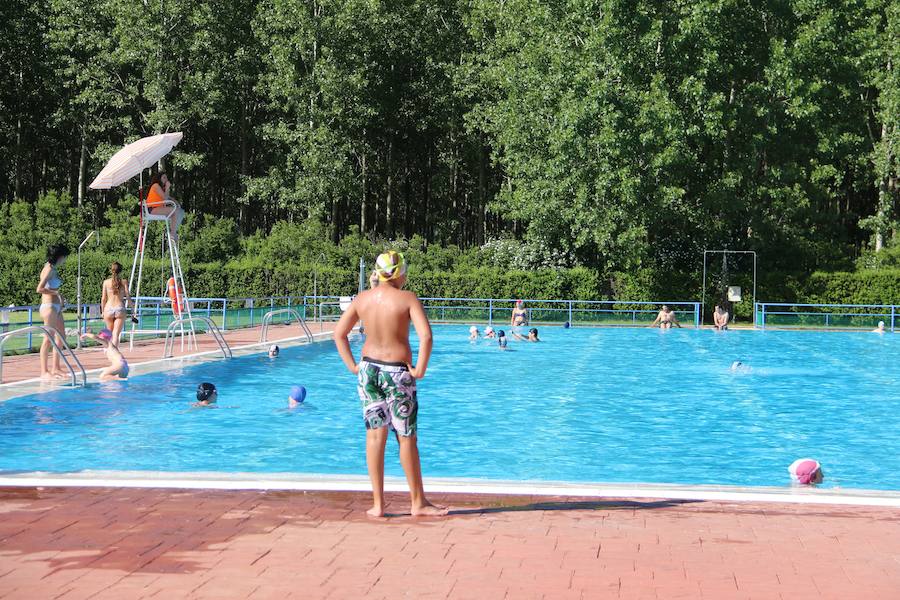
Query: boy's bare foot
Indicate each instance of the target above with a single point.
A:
(429, 510)
(375, 511)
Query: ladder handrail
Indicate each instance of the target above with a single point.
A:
(52, 337)
(267, 319)
(211, 328)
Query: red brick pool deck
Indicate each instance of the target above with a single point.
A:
(118, 544)
(27, 366)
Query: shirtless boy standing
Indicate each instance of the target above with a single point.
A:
(387, 379)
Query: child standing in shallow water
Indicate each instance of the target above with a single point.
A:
(386, 377)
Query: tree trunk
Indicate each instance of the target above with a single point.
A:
(82, 169)
(482, 195)
(362, 204)
(388, 209)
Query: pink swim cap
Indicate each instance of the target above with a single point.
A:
(803, 470)
(105, 334)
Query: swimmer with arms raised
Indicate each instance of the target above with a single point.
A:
(386, 376)
(665, 319)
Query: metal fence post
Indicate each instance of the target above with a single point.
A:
(491, 312)
(224, 313)
(157, 316)
(30, 323)
(570, 312)
(893, 311)
(696, 315)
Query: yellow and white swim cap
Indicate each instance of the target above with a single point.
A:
(390, 265)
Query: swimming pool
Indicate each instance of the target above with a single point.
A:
(585, 405)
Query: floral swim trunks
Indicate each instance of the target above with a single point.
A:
(388, 395)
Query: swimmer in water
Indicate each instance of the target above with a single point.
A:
(806, 471)
(118, 366)
(207, 394)
(739, 367)
(274, 351)
(880, 328)
(501, 339)
(296, 396)
(489, 333)
(473, 333)
(665, 319)
(532, 336)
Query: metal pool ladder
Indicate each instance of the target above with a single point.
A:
(267, 320)
(64, 353)
(211, 328)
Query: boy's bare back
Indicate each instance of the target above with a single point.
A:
(386, 313)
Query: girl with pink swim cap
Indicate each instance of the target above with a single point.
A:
(806, 471)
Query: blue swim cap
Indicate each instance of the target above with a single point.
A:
(501, 333)
(298, 393)
(566, 325)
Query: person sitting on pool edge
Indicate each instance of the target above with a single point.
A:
(666, 318)
(386, 377)
(207, 394)
(118, 366)
(720, 318)
(806, 471)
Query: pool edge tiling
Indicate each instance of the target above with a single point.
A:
(360, 483)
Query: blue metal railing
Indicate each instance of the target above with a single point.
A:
(830, 316)
(155, 313)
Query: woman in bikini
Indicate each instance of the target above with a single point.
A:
(114, 300)
(519, 320)
(52, 305)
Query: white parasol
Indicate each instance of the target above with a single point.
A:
(134, 158)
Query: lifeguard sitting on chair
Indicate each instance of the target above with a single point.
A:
(160, 203)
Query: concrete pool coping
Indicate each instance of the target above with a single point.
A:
(360, 483)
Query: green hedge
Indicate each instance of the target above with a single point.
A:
(862, 287)
(255, 278)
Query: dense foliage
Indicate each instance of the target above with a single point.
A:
(622, 136)
(299, 259)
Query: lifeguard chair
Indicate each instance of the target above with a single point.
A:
(176, 291)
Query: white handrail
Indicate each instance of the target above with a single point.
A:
(267, 319)
(168, 348)
(52, 338)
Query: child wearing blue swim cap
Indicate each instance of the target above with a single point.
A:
(297, 396)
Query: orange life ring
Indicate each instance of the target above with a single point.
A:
(176, 298)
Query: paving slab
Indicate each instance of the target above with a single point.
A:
(59, 542)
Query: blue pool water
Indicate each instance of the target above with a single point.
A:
(591, 405)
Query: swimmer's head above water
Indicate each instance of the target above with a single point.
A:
(806, 471)
(274, 350)
(207, 394)
(533, 335)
